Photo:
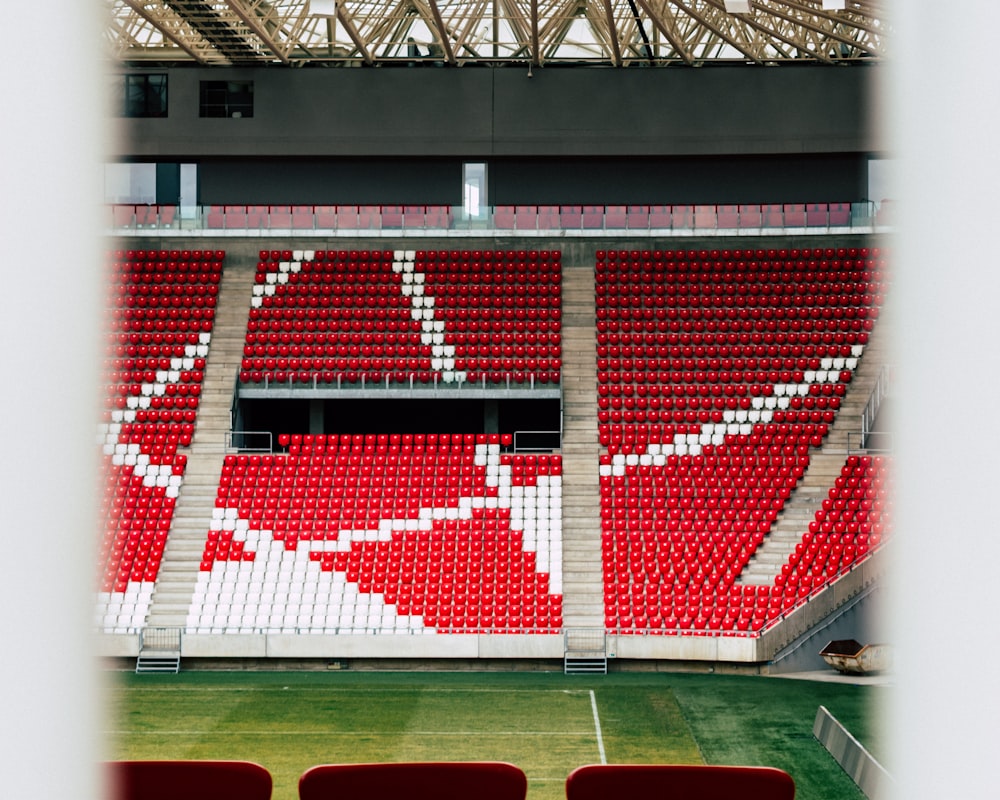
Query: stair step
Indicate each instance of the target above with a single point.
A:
(163, 664)
(585, 666)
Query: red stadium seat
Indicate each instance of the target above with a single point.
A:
(679, 782)
(840, 214)
(303, 217)
(548, 218)
(638, 217)
(570, 217)
(773, 216)
(659, 217)
(279, 216)
(526, 218)
(392, 216)
(794, 215)
(504, 217)
(192, 780)
(682, 217)
(705, 217)
(443, 780)
(593, 216)
(750, 216)
(729, 217)
(615, 217)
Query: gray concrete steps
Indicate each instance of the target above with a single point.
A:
(193, 512)
(583, 604)
(825, 467)
(582, 569)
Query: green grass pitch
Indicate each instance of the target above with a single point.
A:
(547, 724)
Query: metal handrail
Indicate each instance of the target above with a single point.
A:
(237, 440)
(880, 391)
(522, 449)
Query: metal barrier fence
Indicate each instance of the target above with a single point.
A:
(537, 441)
(250, 441)
(883, 385)
(585, 641)
(160, 638)
(427, 381)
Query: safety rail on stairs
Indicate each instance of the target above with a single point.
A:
(883, 385)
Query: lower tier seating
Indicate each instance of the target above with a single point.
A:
(718, 373)
(160, 315)
(374, 535)
(678, 532)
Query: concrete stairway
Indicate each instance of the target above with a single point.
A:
(583, 602)
(824, 468)
(193, 512)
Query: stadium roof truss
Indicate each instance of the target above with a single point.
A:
(456, 32)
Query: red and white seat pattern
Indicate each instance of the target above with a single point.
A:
(384, 534)
(717, 372)
(854, 518)
(404, 316)
(161, 309)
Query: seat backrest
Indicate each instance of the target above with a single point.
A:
(440, 780)
(678, 782)
(192, 780)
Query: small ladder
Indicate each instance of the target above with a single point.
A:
(159, 651)
(585, 652)
(147, 664)
(585, 665)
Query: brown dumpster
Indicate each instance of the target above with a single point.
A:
(853, 658)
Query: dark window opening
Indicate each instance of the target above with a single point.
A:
(226, 99)
(536, 423)
(140, 95)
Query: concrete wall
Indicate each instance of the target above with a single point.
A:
(708, 650)
(864, 620)
(715, 134)
(454, 647)
(821, 607)
(870, 776)
(478, 113)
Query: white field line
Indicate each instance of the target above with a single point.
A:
(352, 734)
(597, 728)
(328, 690)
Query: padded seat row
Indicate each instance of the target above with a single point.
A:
(758, 341)
(428, 534)
(455, 780)
(384, 294)
(161, 311)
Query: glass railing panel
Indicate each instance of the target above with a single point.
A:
(502, 219)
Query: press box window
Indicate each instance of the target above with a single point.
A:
(141, 95)
(226, 99)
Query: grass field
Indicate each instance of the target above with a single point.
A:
(545, 723)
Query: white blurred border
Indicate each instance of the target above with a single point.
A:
(49, 273)
(944, 116)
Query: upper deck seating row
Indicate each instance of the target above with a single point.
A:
(646, 217)
(404, 316)
(718, 372)
(160, 312)
(505, 217)
(384, 534)
(323, 217)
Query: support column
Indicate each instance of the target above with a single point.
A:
(316, 417)
(491, 416)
